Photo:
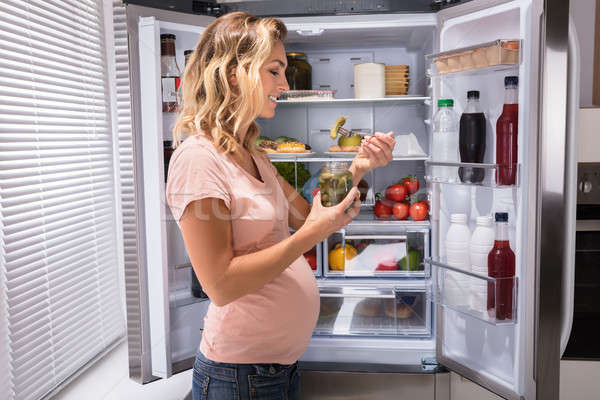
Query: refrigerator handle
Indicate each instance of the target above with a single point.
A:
(573, 72)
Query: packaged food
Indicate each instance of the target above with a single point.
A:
(335, 182)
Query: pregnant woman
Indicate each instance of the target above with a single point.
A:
(235, 211)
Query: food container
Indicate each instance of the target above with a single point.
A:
(335, 181)
(396, 80)
(499, 52)
(369, 80)
(298, 72)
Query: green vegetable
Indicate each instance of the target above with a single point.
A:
(286, 170)
(410, 262)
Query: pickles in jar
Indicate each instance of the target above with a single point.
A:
(335, 181)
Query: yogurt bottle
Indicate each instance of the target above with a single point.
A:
(482, 241)
(456, 285)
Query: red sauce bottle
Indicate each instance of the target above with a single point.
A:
(507, 128)
(501, 265)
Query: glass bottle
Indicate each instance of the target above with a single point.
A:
(335, 181)
(501, 265)
(507, 129)
(169, 73)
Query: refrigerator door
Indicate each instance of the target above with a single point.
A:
(514, 357)
(166, 329)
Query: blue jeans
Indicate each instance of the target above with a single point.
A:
(223, 381)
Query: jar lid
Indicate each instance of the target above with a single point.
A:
(445, 103)
(336, 165)
(295, 54)
(186, 52)
(167, 36)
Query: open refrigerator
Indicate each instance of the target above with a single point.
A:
(402, 318)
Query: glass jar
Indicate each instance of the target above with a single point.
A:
(298, 72)
(335, 181)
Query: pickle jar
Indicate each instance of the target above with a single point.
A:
(298, 72)
(335, 181)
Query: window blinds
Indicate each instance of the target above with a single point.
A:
(60, 303)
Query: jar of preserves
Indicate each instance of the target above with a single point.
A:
(298, 72)
(335, 181)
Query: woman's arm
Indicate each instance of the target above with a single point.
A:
(206, 229)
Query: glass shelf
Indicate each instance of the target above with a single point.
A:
(324, 158)
(491, 300)
(183, 297)
(408, 99)
(483, 175)
(367, 217)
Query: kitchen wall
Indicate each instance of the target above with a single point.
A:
(584, 16)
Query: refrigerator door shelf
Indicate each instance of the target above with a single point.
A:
(374, 311)
(475, 295)
(353, 253)
(496, 54)
(448, 172)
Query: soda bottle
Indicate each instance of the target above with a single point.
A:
(472, 139)
(169, 73)
(506, 133)
(501, 265)
(445, 140)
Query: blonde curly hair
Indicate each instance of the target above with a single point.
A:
(235, 44)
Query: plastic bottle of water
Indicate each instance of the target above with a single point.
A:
(482, 242)
(445, 141)
(457, 255)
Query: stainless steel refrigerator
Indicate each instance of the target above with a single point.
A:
(440, 42)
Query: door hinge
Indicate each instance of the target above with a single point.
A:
(430, 364)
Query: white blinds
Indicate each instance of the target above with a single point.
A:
(60, 303)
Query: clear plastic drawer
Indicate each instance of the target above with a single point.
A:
(364, 254)
(372, 310)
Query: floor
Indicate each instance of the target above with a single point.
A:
(109, 380)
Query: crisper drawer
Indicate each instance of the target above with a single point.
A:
(382, 254)
(374, 310)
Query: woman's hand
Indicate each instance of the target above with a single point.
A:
(375, 151)
(323, 221)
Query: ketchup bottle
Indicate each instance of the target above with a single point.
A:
(506, 133)
(501, 264)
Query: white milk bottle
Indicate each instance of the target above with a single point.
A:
(456, 285)
(482, 241)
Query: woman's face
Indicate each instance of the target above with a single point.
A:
(272, 75)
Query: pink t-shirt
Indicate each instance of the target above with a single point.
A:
(273, 324)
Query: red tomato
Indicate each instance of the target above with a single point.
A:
(411, 184)
(387, 266)
(400, 210)
(418, 211)
(395, 192)
(383, 209)
(312, 260)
